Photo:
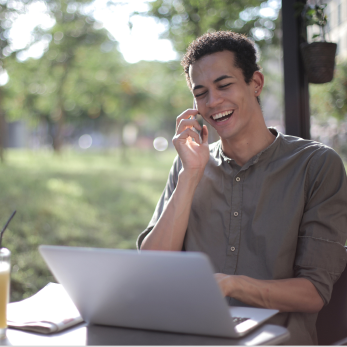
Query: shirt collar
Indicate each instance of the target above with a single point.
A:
(217, 153)
(220, 156)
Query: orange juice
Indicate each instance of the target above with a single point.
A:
(4, 292)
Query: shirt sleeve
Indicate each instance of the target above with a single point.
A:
(321, 255)
(164, 199)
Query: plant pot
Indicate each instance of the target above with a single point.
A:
(319, 61)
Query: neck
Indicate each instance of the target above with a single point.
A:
(248, 143)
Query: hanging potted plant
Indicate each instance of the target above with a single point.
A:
(319, 55)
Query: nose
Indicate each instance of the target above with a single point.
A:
(214, 99)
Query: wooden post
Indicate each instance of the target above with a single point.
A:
(296, 93)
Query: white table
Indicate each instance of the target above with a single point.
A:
(84, 335)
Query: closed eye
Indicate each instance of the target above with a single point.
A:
(197, 95)
(223, 86)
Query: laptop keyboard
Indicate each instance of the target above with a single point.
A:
(238, 320)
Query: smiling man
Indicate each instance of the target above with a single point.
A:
(268, 209)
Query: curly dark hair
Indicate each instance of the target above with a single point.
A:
(243, 48)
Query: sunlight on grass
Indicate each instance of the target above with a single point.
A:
(80, 199)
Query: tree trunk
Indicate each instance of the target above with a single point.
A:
(2, 131)
(123, 146)
(58, 131)
(2, 136)
(60, 113)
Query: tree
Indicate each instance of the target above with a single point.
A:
(73, 33)
(329, 110)
(99, 87)
(188, 19)
(9, 11)
(330, 99)
(70, 79)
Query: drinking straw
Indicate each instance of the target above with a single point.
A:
(3, 230)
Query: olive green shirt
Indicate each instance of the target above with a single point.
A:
(282, 215)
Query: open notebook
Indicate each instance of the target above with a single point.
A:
(48, 311)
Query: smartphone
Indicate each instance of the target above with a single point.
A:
(200, 120)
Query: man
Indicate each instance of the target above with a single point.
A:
(268, 209)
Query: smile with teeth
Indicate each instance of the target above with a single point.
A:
(222, 116)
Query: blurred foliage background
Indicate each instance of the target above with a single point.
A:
(81, 89)
(78, 199)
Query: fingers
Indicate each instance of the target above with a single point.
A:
(184, 135)
(187, 123)
(204, 134)
(185, 115)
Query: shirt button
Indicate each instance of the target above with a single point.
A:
(232, 249)
(238, 179)
(236, 214)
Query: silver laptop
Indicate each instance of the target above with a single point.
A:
(166, 291)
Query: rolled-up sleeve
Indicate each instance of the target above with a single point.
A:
(164, 199)
(321, 255)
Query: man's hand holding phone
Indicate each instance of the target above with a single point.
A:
(170, 230)
(193, 151)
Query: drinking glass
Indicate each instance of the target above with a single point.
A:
(5, 266)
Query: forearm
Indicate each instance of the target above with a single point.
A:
(169, 232)
(287, 295)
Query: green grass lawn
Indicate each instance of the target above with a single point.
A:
(79, 199)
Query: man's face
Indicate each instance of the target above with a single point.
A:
(223, 97)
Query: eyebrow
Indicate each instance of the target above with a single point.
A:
(215, 81)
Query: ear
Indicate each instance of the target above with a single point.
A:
(257, 83)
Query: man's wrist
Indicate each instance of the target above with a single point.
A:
(190, 176)
(233, 285)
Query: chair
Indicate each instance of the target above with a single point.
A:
(332, 319)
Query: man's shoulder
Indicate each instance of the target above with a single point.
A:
(294, 142)
(309, 149)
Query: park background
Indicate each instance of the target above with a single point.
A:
(89, 95)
